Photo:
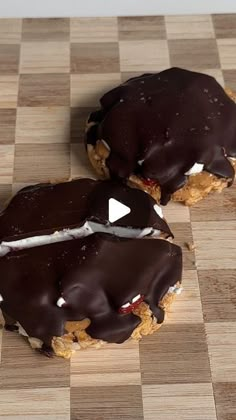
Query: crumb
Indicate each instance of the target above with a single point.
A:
(190, 245)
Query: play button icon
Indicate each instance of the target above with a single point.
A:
(112, 202)
(116, 210)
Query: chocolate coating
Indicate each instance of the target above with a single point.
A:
(170, 121)
(45, 208)
(95, 275)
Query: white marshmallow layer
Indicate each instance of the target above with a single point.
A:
(69, 234)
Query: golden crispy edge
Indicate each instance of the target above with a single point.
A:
(65, 346)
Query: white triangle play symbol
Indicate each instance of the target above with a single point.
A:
(117, 210)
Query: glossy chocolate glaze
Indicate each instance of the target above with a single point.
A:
(170, 121)
(45, 208)
(95, 275)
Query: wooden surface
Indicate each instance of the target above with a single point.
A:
(52, 72)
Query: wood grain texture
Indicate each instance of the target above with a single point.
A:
(94, 30)
(140, 28)
(101, 403)
(86, 89)
(215, 244)
(189, 27)
(97, 57)
(183, 237)
(230, 78)
(187, 369)
(43, 125)
(7, 162)
(221, 338)
(145, 55)
(80, 165)
(43, 163)
(40, 372)
(53, 59)
(197, 53)
(7, 126)
(216, 207)
(47, 30)
(9, 59)
(218, 294)
(225, 25)
(120, 366)
(9, 91)
(5, 193)
(1, 331)
(79, 117)
(180, 401)
(227, 53)
(225, 394)
(44, 90)
(177, 354)
(175, 213)
(10, 31)
(35, 404)
(187, 308)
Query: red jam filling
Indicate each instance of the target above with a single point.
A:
(149, 182)
(131, 307)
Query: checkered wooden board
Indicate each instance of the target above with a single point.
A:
(52, 72)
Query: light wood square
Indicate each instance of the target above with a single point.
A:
(176, 213)
(145, 55)
(187, 307)
(10, 31)
(221, 338)
(35, 404)
(183, 237)
(112, 365)
(41, 57)
(86, 89)
(180, 401)
(7, 161)
(189, 27)
(43, 125)
(227, 48)
(9, 91)
(215, 244)
(94, 29)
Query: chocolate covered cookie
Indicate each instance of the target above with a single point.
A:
(71, 277)
(173, 134)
